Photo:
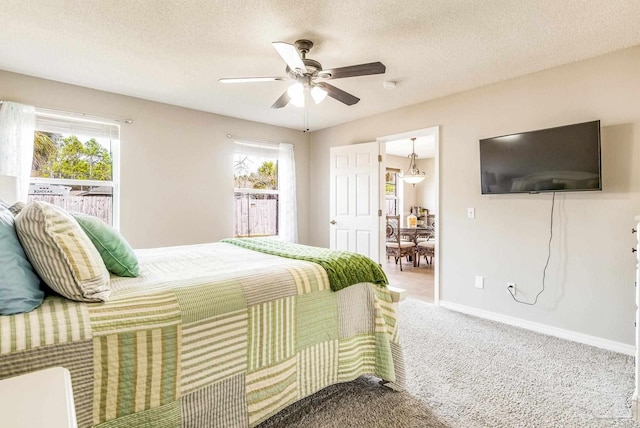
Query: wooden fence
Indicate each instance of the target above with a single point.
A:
(256, 217)
(99, 206)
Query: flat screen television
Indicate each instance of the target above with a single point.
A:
(566, 158)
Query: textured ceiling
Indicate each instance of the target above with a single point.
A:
(175, 51)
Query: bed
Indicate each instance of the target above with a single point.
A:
(212, 335)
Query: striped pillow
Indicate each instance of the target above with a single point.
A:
(61, 253)
(16, 208)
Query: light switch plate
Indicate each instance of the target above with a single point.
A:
(471, 213)
(479, 282)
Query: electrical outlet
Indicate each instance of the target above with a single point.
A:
(479, 282)
(511, 287)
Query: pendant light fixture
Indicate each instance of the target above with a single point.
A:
(413, 174)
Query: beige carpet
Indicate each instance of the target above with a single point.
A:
(362, 403)
(469, 373)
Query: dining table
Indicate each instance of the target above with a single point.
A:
(413, 233)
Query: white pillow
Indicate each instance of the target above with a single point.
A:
(61, 253)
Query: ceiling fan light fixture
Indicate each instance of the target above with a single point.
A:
(296, 94)
(318, 94)
(413, 174)
(304, 71)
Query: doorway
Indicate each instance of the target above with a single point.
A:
(418, 276)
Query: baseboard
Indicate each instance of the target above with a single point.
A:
(598, 342)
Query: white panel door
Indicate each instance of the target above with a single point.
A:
(355, 199)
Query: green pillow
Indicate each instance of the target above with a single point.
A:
(117, 254)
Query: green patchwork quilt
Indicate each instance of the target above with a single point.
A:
(210, 335)
(344, 268)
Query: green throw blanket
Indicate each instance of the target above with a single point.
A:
(343, 268)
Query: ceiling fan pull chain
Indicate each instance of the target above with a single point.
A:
(306, 116)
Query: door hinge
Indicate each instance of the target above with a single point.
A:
(379, 213)
(379, 158)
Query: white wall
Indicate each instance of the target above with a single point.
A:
(176, 163)
(426, 190)
(590, 279)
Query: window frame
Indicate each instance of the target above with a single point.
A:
(114, 183)
(395, 197)
(257, 150)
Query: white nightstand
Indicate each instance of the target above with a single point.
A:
(397, 295)
(38, 399)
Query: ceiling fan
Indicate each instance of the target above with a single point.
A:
(309, 75)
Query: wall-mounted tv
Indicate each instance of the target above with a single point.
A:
(566, 158)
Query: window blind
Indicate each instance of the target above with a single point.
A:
(257, 149)
(48, 121)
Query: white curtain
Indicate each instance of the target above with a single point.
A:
(17, 124)
(287, 214)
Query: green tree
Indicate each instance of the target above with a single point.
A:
(71, 162)
(102, 169)
(98, 159)
(72, 158)
(44, 151)
(267, 176)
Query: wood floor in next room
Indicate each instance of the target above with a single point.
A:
(418, 281)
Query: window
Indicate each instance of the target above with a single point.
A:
(391, 191)
(75, 164)
(255, 173)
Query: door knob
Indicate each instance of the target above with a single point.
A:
(333, 222)
(633, 250)
(633, 231)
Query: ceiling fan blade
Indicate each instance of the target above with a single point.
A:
(250, 79)
(354, 71)
(339, 94)
(282, 101)
(290, 55)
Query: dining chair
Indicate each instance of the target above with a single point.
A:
(395, 246)
(424, 234)
(426, 249)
